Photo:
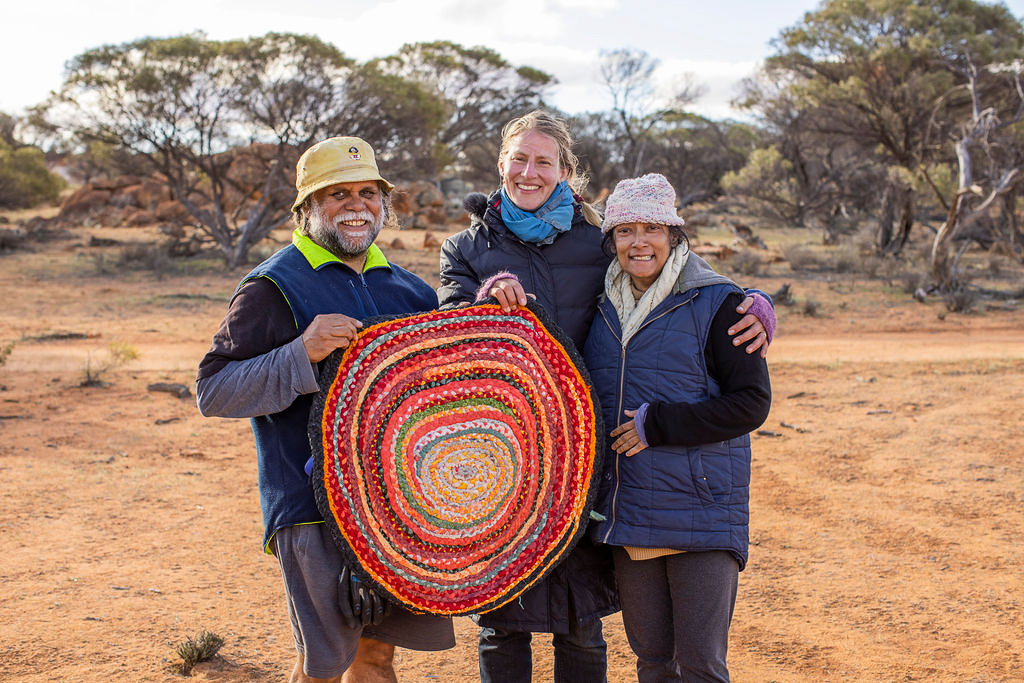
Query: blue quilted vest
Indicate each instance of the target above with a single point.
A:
(691, 499)
(314, 282)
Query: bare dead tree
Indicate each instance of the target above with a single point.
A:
(983, 140)
(627, 74)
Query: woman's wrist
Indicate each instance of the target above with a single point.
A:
(638, 422)
(764, 312)
(484, 288)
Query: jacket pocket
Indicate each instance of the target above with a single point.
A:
(700, 480)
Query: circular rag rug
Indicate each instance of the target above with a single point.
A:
(454, 454)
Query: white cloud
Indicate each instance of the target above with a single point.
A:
(561, 37)
(718, 79)
(599, 6)
(719, 43)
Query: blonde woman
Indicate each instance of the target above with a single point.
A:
(535, 234)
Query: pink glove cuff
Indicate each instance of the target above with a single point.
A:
(481, 293)
(765, 313)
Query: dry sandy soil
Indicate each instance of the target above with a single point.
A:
(887, 534)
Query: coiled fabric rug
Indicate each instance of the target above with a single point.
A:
(455, 454)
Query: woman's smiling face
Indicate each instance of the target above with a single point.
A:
(642, 250)
(530, 170)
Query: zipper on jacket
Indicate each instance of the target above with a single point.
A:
(615, 494)
(622, 393)
(622, 375)
(368, 296)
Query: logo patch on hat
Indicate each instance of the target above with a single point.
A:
(353, 153)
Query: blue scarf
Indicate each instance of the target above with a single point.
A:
(544, 224)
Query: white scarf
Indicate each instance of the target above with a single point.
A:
(632, 313)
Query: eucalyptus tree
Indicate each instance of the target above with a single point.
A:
(870, 69)
(628, 76)
(480, 91)
(695, 152)
(914, 93)
(598, 145)
(800, 176)
(188, 105)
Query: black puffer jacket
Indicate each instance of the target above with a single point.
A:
(566, 276)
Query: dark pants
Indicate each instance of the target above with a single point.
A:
(580, 655)
(677, 610)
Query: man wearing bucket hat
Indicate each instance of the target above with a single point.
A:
(286, 315)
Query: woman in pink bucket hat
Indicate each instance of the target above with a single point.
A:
(683, 401)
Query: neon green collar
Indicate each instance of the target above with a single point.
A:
(318, 256)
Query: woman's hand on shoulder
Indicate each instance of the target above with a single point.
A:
(749, 329)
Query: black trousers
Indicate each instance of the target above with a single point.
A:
(677, 610)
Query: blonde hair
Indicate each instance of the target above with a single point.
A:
(558, 130)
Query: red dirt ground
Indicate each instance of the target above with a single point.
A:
(886, 527)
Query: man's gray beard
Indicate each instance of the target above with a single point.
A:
(333, 238)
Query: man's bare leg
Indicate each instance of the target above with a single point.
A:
(299, 676)
(375, 663)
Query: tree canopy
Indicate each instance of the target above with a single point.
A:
(479, 92)
(187, 105)
(25, 181)
(880, 93)
(889, 113)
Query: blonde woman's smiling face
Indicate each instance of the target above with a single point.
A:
(530, 170)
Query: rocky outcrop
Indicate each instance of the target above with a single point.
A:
(130, 201)
(421, 206)
(124, 200)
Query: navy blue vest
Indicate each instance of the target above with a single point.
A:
(667, 496)
(313, 285)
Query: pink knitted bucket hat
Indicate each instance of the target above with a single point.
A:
(648, 199)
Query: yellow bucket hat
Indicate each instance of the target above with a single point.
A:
(332, 161)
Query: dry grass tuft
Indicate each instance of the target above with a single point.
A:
(200, 649)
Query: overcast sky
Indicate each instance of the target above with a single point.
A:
(718, 41)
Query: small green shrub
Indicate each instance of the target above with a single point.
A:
(118, 354)
(909, 282)
(802, 257)
(845, 259)
(812, 308)
(5, 351)
(747, 262)
(870, 265)
(784, 296)
(24, 179)
(200, 649)
(960, 300)
(11, 239)
(152, 258)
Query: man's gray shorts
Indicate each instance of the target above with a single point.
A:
(310, 564)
